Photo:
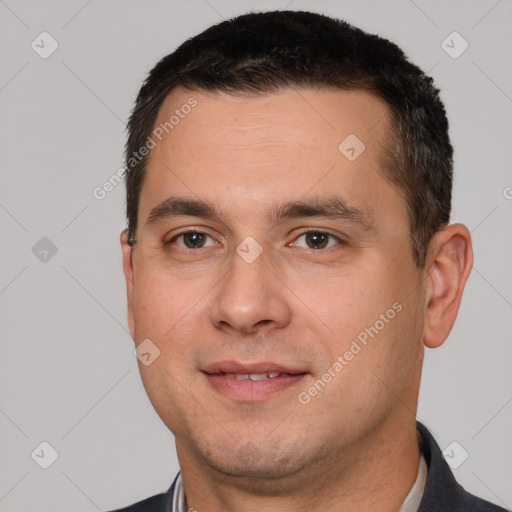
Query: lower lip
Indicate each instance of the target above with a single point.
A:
(253, 390)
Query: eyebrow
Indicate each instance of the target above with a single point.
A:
(330, 207)
(176, 206)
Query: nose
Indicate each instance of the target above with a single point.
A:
(250, 299)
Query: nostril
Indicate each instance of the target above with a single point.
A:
(263, 322)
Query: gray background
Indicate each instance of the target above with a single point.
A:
(67, 372)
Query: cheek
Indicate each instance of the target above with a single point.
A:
(395, 354)
(160, 302)
(376, 376)
(165, 312)
(346, 302)
(376, 328)
(171, 313)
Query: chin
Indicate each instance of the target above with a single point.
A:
(268, 471)
(258, 460)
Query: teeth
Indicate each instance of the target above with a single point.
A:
(258, 376)
(252, 376)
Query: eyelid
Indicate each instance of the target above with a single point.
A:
(204, 231)
(338, 238)
(190, 229)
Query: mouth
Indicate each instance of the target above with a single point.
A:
(252, 376)
(252, 382)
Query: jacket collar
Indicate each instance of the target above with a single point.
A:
(442, 492)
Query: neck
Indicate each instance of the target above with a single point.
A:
(377, 473)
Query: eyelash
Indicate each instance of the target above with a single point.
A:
(175, 237)
(339, 240)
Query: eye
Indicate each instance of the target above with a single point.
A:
(317, 240)
(192, 240)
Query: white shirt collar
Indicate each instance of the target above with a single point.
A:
(413, 500)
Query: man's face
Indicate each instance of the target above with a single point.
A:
(297, 256)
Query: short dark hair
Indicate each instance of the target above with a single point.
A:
(260, 53)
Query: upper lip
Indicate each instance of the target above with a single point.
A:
(248, 368)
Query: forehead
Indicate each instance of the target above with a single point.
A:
(269, 148)
(320, 112)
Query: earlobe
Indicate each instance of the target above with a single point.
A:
(449, 263)
(127, 250)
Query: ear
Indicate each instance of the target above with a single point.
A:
(449, 262)
(128, 274)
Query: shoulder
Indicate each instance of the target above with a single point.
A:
(442, 492)
(152, 504)
(475, 504)
(158, 503)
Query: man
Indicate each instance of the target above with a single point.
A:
(287, 258)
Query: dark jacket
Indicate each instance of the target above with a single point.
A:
(442, 492)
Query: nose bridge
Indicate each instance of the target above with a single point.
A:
(250, 296)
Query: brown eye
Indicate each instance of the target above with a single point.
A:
(317, 240)
(192, 240)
